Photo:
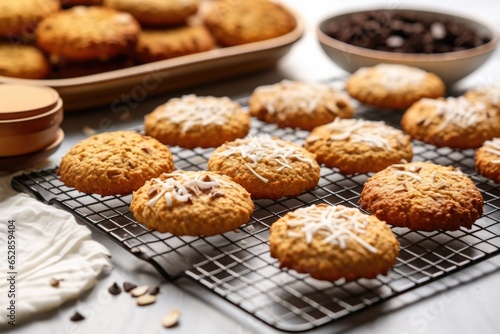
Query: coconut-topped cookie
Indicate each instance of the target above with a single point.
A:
(267, 167)
(333, 242)
(197, 121)
(192, 203)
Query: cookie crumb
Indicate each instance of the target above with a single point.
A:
(54, 282)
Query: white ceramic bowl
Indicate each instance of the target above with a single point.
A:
(450, 66)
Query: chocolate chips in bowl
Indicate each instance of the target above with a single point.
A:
(448, 45)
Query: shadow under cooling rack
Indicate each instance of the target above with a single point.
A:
(237, 265)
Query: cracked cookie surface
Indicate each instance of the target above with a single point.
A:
(114, 163)
(423, 196)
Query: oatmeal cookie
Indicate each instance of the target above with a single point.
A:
(393, 86)
(298, 104)
(197, 121)
(267, 167)
(23, 61)
(19, 18)
(489, 94)
(159, 44)
(88, 33)
(457, 123)
(488, 159)
(235, 22)
(333, 242)
(192, 203)
(423, 196)
(114, 163)
(157, 12)
(359, 146)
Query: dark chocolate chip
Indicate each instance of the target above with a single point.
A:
(77, 317)
(127, 286)
(114, 289)
(154, 291)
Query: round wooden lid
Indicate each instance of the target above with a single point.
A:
(19, 101)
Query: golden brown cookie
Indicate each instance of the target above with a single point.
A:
(64, 68)
(488, 159)
(457, 123)
(70, 3)
(88, 33)
(159, 44)
(267, 167)
(359, 146)
(197, 121)
(114, 163)
(489, 94)
(157, 12)
(23, 61)
(235, 22)
(298, 104)
(192, 203)
(393, 86)
(423, 196)
(19, 18)
(333, 242)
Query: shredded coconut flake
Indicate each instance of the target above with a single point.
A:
(265, 148)
(337, 224)
(458, 111)
(182, 187)
(191, 110)
(375, 134)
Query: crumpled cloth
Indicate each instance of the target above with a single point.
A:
(50, 244)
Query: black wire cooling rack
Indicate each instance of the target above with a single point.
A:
(237, 265)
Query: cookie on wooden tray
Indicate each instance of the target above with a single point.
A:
(88, 33)
(487, 159)
(457, 123)
(23, 61)
(333, 242)
(235, 22)
(298, 104)
(192, 203)
(157, 12)
(359, 146)
(64, 68)
(267, 167)
(393, 86)
(160, 44)
(197, 121)
(423, 196)
(19, 18)
(489, 94)
(114, 163)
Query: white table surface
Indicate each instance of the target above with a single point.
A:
(465, 302)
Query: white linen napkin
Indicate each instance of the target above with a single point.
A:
(50, 245)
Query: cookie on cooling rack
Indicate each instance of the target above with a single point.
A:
(392, 86)
(457, 123)
(197, 121)
(359, 146)
(23, 61)
(333, 242)
(489, 94)
(423, 196)
(157, 12)
(19, 18)
(235, 22)
(160, 44)
(88, 33)
(192, 203)
(114, 163)
(298, 104)
(267, 167)
(487, 159)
